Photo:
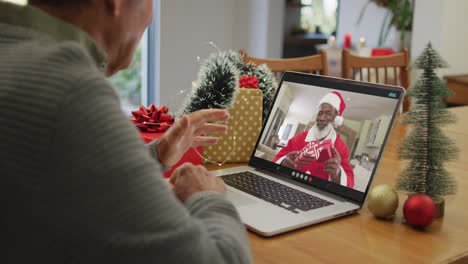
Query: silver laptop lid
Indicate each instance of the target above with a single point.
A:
(301, 124)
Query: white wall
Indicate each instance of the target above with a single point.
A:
(454, 36)
(275, 29)
(427, 25)
(188, 26)
(186, 29)
(442, 23)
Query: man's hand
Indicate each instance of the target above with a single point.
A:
(189, 179)
(186, 133)
(332, 166)
(304, 161)
(289, 160)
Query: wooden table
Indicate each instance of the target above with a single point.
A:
(362, 238)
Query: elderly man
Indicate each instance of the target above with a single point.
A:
(336, 168)
(78, 184)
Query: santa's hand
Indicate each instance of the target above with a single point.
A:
(333, 167)
(186, 133)
(289, 160)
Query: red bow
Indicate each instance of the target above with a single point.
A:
(152, 119)
(248, 82)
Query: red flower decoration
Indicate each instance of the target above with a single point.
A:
(152, 119)
(248, 82)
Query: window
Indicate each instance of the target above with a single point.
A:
(373, 131)
(286, 132)
(128, 83)
(139, 84)
(319, 16)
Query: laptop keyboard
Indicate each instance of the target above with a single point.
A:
(274, 192)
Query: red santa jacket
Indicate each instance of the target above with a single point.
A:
(297, 143)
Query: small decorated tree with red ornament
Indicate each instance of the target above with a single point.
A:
(221, 74)
(426, 146)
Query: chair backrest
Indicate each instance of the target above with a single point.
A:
(390, 69)
(311, 64)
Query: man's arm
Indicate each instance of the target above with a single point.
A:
(113, 205)
(338, 166)
(153, 151)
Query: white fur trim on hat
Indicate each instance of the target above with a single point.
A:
(331, 99)
(338, 121)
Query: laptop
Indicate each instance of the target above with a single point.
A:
(273, 196)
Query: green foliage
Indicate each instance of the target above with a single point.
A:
(218, 83)
(426, 146)
(128, 82)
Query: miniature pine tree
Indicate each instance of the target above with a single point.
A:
(426, 146)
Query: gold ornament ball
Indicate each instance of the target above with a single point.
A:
(382, 201)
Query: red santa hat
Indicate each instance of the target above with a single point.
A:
(336, 101)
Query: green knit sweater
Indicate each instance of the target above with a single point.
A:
(77, 183)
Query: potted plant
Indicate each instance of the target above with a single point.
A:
(399, 14)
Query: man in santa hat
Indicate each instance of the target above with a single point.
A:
(337, 168)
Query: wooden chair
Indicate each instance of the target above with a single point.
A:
(391, 69)
(310, 64)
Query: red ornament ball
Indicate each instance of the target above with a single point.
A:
(419, 210)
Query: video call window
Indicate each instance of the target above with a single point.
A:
(360, 138)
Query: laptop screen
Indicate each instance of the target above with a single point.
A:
(328, 132)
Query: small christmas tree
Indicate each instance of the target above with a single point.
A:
(426, 146)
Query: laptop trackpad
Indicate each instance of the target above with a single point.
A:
(239, 199)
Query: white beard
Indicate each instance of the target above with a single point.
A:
(320, 135)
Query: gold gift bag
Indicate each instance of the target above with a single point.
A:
(238, 142)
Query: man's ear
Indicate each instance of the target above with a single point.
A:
(114, 7)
